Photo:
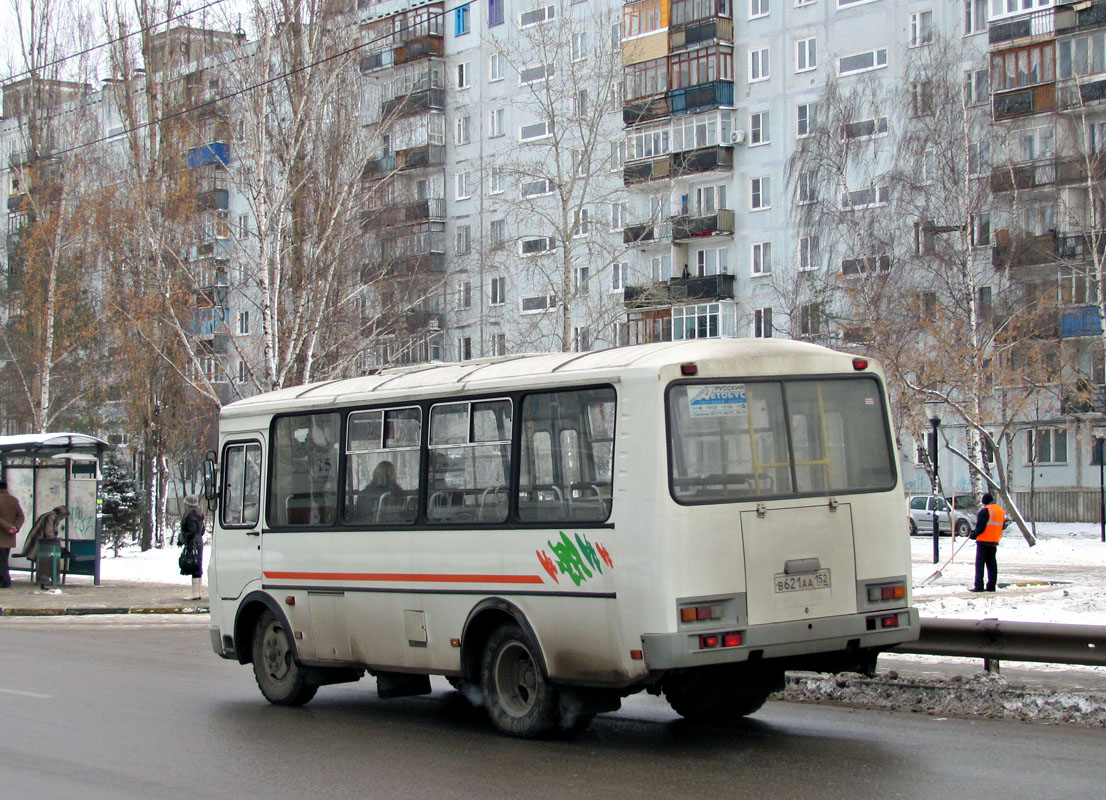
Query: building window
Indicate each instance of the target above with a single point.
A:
(464, 295)
(696, 322)
(758, 8)
(758, 128)
(866, 264)
(760, 194)
(618, 155)
(496, 180)
(461, 186)
(1025, 66)
(712, 261)
(758, 65)
(463, 242)
(534, 74)
(244, 225)
(536, 16)
(580, 103)
(537, 304)
(977, 86)
(579, 45)
(921, 28)
(243, 323)
(660, 268)
(619, 272)
(862, 62)
(1046, 446)
(496, 67)
(537, 130)
(582, 227)
(762, 323)
(810, 319)
(243, 372)
(807, 187)
(536, 188)
(462, 130)
(975, 16)
(762, 258)
(1082, 55)
(499, 344)
(618, 216)
(807, 119)
(495, 12)
(581, 339)
(497, 231)
(498, 291)
(979, 159)
(981, 230)
(464, 348)
(535, 245)
(864, 129)
(865, 198)
(461, 23)
(464, 74)
(496, 122)
(583, 274)
(921, 98)
(806, 55)
(808, 252)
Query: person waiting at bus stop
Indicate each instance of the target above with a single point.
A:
(45, 531)
(988, 530)
(11, 520)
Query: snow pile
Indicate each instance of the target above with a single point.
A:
(979, 695)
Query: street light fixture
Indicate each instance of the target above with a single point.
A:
(933, 410)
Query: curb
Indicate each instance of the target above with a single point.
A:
(84, 612)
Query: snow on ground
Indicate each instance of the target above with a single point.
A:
(153, 566)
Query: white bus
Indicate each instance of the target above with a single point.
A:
(554, 532)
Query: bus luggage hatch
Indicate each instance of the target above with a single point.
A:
(800, 562)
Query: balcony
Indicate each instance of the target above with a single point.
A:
(694, 226)
(1083, 397)
(646, 233)
(210, 153)
(680, 290)
(1025, 175)
(427, 155)
(19, 202)
(703, 96)
(1080, 321)
(216, 199)
(416, 102)
(695, 33)
(429, 210)
(379, 167)
(1081, 246)
(1038, 25)
(1024, 251)
(431, 44)
(645, 109)
(1020, 102)
(674, 165)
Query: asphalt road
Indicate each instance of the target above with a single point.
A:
(139, 707)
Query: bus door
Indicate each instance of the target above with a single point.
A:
(236, 557)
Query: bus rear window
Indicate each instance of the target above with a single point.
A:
(738, 440)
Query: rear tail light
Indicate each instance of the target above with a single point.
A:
(708, 641)
(890, 621)
(700, 613)
(860, 364)
(881, 594)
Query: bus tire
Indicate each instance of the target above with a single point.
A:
(719, 694)
(279, 676)
(519, 700)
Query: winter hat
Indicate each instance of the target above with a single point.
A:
(191, 500)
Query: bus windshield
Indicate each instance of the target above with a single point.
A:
(737, 440)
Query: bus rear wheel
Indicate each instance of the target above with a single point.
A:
(719, 694)
(520, 701)
(279, 676)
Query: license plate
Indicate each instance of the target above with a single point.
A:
(803, 582)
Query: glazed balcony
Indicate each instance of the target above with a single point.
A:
(210, 153)
(414, 102)
(1024, 250)
(646, 233)
(674, 165)
(1080, 321)
(428, 210)
(214, 199)
(424, 46)
(645, 109)
(686, 227)
(1032, 27)
(701, 97)
(1022, 102)
(697, 32)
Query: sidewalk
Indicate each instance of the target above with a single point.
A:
(79, 596)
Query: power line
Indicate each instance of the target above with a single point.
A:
(87, 50)
(182, 112)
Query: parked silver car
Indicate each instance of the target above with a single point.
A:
(923, 507)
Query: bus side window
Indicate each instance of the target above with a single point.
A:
(241, 484)
(303, 487)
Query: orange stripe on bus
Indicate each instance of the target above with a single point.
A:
(398, 576)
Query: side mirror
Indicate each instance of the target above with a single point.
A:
(211, 486)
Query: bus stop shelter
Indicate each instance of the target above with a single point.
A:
(46, 470)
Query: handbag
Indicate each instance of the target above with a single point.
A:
(188, 561)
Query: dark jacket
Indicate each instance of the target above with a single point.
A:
(192, 537)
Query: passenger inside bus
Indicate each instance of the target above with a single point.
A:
(382, 488)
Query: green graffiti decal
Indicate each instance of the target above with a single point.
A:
(579, 559)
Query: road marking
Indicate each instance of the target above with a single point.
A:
(35, 695)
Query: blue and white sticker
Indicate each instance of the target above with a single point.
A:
(718, 400)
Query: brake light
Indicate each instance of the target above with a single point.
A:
(731, 640)
(708, 641)
(860, 364)
(891, 621)
(689, 369)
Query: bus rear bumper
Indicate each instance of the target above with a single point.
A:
(802, 639)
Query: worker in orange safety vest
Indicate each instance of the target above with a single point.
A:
(987, 533)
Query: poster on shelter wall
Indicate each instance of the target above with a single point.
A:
(49, 489)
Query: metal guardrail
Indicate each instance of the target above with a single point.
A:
(1042, 642)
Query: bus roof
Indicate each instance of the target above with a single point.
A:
(759, 357)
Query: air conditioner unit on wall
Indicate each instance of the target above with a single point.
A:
(737, 137)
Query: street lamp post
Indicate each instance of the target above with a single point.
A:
(1099, 440)
(934, 407)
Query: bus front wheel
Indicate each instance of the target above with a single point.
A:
(519, 700)
(718, 694)
(280, 677)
